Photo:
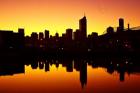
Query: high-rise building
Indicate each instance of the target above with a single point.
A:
(77, 35)
(21, 31)
(34, 39)
(21, 37)
(56, 35)
(46, 34)
(121, 24)
(69, 34)
(34, 36)
(41, 36)
(83, 27)
(6, 39)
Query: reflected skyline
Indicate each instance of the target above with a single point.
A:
(122, 65)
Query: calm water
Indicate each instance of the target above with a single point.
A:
(60, 78)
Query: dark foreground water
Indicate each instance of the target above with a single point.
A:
(55, 77)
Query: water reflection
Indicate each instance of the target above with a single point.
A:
(10, 66)
(122, 65)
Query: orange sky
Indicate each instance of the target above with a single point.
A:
(58, 15)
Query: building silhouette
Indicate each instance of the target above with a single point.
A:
(73, 49)
(83, 74)
(21, 33)
(83, 27)
(121, 24)
(47, 34)
(74, 43)
(34, 40)
(9, 39)
(69, 34)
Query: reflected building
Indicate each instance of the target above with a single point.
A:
(121, 71)
(34, 65)
(47, 67)
(41, 65)
(69, 66)
(83, 74)
(11, 69)
(122, 76)
(76, 65)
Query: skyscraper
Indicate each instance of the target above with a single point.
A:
(69, 34)
(34, 39)
(41, 36)
(83, 27)
(46, 34)
(21, 37)
(121, 24)
(21, 31)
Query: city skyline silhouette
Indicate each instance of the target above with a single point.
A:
(69, 46)
(56, 16)
(115, 51)
(126, 26)
(73, 43)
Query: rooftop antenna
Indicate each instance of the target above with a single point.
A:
(128, 26)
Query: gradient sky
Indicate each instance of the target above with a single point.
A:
(58, 15)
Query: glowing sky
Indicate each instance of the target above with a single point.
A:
(58, 15)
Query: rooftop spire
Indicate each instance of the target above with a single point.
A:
(84, 15)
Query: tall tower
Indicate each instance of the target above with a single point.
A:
(83, 74)
(121, 24)
(69, 34)
(21, 37)
(83, 27)
(46, 34)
